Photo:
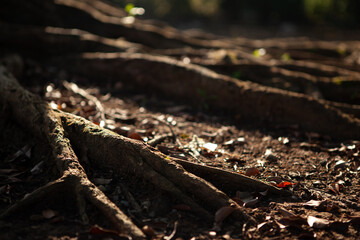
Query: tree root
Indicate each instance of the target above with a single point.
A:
(107, 150)
(251, 101)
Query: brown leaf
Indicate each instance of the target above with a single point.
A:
(250, 203)
(252, 171)
(293, 221)
(101, 181)
(149, 231)
(223, 213)
(134, 135)
(97, 230)
(182, 207)
(48, 213)
(335, 188)
(317, 222)
(285, 212)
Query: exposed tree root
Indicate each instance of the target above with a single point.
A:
(107, 150)
(95, 39)
(250, 100)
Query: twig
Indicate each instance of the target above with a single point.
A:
(173, 232)
(229, 180)
(158, 139)
(176, 140)
(75, 88)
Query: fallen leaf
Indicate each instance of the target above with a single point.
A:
(101, 181)
(252, 171)
(282, 226)
(285, 212)
(210, 146)
(223, 213)
(293, 221)
(251, 202)
(313, 203)
(57, 219)
(48, 213)
(315, 222)
(334, 187)
(97, 230)
(340, 164)
(182, 207)
(149, 231)
(285, 184)
(134, 135)
(37, 169)
(24, 151)
(264, 226)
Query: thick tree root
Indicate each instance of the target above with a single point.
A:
(250, 101)
(43, 121)
(107, 149)
(39, 194)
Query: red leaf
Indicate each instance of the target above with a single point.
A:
(285, 184)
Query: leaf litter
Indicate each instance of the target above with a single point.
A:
(284, 158)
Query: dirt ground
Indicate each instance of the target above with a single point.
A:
(322, 175)
(190, 135)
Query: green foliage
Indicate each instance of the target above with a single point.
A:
(286, 57)
(337, 80)
(259, 52)
(128, 7)
(330, 11)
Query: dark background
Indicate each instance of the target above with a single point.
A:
(337, 13)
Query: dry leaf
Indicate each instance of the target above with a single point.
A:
(134, 135)
(317, 222)
(285, 184)
(101, 181)
(334, 187)
(223, 213)
(48, 213)
(285, 212)
(149, 231)
(210, 146)
(252, 171)
(250, 203)
(182, 207)
(294, 221)
(313, 203)
(37, 168)
(97, 230)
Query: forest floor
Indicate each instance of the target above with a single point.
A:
(322, 175)
(114, 127)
